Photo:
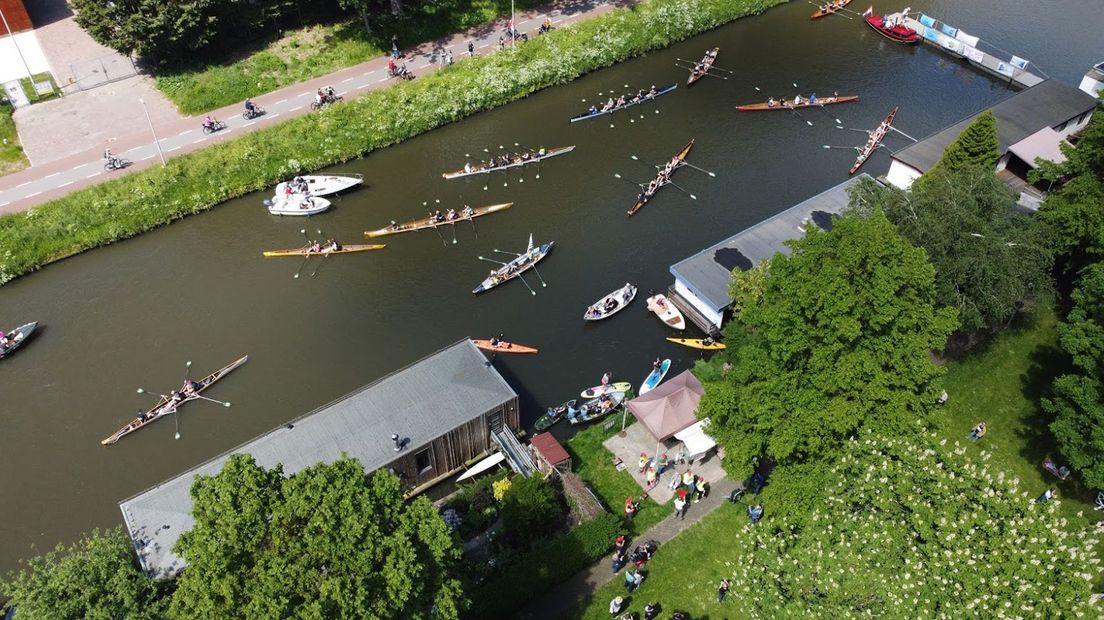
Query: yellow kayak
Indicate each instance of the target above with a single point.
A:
(698, 343)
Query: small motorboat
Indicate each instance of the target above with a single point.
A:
(893, 31)
(319, 184)
(296, 204)
(655, 377)
(609, 388)
(17, 338)
(554, 414)
(611, 304)
(596, 408)
(666, 311)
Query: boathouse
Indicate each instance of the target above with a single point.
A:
(702, 281)
(1031, 125)
(446, 410)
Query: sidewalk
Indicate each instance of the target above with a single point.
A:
(38, 184)
(559, 601)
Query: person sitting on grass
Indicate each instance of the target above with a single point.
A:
(978, 432)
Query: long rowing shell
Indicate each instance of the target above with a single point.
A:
(425, 223)
(763, 107)
(345, 249)
(822, 13)
(514, 163)
(589, 115)
(644, 198)
(708, 61)
(875, 141)
(504, 347)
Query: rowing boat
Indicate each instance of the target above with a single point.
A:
(296, 204)
(594, 409)
(165, 406)
(609, 388)
(698, 343)
(654, 377)
(611, 304)
(517, 266)
(832, 8)
(897, 32)
(707, 62)
(429, 222)
(553, 415)
(644, 196)
(18, 337)
(875, 141)
(515, 161)
(666, 311)
(589, 115)
(322, 184)
(788, 104)
(504, 347)
(345, 249)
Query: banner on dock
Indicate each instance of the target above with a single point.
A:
(1019, 62)
(973, 53)
(931, 34)
(927, 21)
(1004, 69)
(952, 45)
(950, 31)
(968, 39)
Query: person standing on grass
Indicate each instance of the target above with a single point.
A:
(723, 590)
(630, 580)
(755, 513)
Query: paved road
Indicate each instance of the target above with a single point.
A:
(38, 184)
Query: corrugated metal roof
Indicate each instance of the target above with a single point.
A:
(1047, 104)
(420, 402)
(709, 272)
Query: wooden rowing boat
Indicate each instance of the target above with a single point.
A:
(644, 197)
(875, 141)
(516, 267)
(833, 7)
(345, 249)
(165, 406)
(698, 343)
(666, 311)
(18, 338)
(515, 161)
(707, 62)
(589, 115)
(899, 33)
(787, 104)
(504, 347)
(594, 409)
(429, 222)
(611, 304)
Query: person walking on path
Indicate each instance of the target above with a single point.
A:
(680, 505)
(471, 49)
(722, 590)
(395, 46)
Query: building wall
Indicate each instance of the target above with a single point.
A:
(1073, 125)
(901, 175)
(705, 309)
(25, 45)
(15, 15)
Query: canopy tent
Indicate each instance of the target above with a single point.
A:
(669, 408)
(696, 441)
(1043, 144)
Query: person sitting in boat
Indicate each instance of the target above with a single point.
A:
(190, 387)
(621, 101)
(541, 152)
(653, 91)
(467, 211)
(525, 156)
(175, 397)
(812, 99)
(610, 305)
(771, 102)
(450, 214)
(314, 247)
(797, 100)
(711, 54)
(592, 110)
(332, 245)
(708, 341)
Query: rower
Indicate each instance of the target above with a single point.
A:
(621, 100)
(437, 217)
(496, 340)
(592, 110)
(771, 102)
(175, 397)
(797, 100)
(395, 226)
(315, 247)
(450, 215)
(812, 99)
(609, 103)
(332, 245)
(468, 211)
(467, 167)
(652, 92)
(541, 151)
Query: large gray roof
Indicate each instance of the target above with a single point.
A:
(421, 402)
(708, 273)
(1047, 104)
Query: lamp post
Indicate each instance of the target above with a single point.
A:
(156, 141)
(16, 44)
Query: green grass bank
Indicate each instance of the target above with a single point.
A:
(198, 181)
(12, 158)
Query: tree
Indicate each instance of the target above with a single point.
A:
(840, 339)
(155, 30)
(1076, 209)
(530, 510)
(990, 260)
(977, 145)
(327, 542)
(96, 578)
(1077, 399)
(908, 528)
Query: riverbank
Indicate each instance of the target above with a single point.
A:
(196, 182)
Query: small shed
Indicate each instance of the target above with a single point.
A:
(550, 455)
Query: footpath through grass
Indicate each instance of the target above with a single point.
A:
(12, 158)
(320, 49)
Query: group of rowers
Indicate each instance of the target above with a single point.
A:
(872, 142)
(506, 160)
(834, 6)
(8, 341)
(703, 65)
(661, 179)
(798, 101)
(190, 389)
(622, 101)
(451, 215)
(317, 247)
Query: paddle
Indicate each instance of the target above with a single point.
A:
(223, 403)
(686, 163)
(319, 265)
(670, 182)
(628, 181)
(433, 220)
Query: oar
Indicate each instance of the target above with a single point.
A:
(628, 181)
(491, 260)
(825, 110)
(454, 232)
(319, 265)
(849, 148)
(669, 182)
(505, 252)
(892, 128)
(534, 266)
(433, 220)
(686, 163)
(796, 113)
(223, 403)
(471, 218)
(302, 264)
(519, 277)
(176, 419)
(695, 63)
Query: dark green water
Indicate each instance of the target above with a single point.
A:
(131, 314)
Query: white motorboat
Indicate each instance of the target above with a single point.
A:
(320, 184)
(666, 311)
(296, 204)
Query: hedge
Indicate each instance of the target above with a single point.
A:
(197, 181)
(543, 567)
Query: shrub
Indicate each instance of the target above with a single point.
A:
(530, 509)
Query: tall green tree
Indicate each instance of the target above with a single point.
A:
(96, 578)
(1075, 209)
(977, 145)
(154, 30)
(328, 542)
(990, 260)
(839, 338)
(908, 528)
(530, 510)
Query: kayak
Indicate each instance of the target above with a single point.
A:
(698, 343)
(655, 377)
(611, 304)
(593, 409)
(503, 347)
(554, 414)
(598, 390)
(345, 249)
(18, 336)
(666, 311)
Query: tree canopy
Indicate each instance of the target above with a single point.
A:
(990, 260)
(977, 145)
(96, 578)
(326, 542)
(530, 510)
(1075, 210)
(906, 528)
(838, 337)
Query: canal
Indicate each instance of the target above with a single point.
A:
(130, 315)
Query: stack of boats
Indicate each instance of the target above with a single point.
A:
(303, 194)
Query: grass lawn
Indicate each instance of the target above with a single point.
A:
(593, 463)
(12, 158)
(319, 49)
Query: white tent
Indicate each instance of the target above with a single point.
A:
(696, 441)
